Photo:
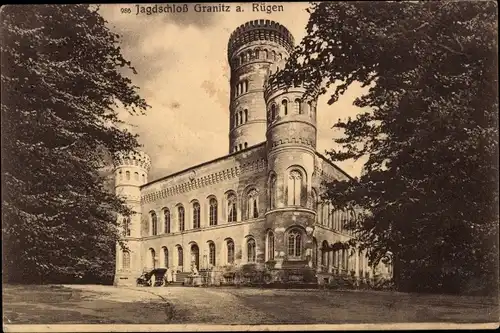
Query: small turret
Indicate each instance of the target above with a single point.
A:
(131, 172)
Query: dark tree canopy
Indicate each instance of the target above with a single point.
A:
(61, 85)
(428, 125)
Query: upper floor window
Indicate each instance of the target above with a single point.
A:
(231, 208)
(251, 250)
(180, 218)
(213, 211)
(295, 243)
(166, 224)
(154, 224)
(127, 175)
(298, 106)
(230, 251)
(196, 215)
(143, 178)
(310, 108)
(136, 176)
(285, 106)
(126, 226)
(120, 176)
(272, 191)
(246, 115)
(273, 111)
(253, 209)
(294, 187)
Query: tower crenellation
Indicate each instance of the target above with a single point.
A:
(131, 168)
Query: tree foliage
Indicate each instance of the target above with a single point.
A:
(61, 85)
(428, 125)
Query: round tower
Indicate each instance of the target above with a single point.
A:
(253, 47)
(131, 172)
(291, 147)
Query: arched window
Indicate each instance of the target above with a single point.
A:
(143, 178)
(252, 208)
(245, 145)
(266, 54)
(273, 112)
(236, 120)
(165, 257)
(120, 175)
(154, 224)
(166, 224)
(127, 175)
(235, 148)
(211, 253)
(285, 106)
(180, 218)
(273, 55)
(196, 215)
(294, 243)
(213, 212)
(242, 60)
(126, 260)
(324, 253)
(136, 176)
(309, 108)
(272, 191)
(180, 256)
(152, 258)
(251, 250)
(298, 106)
(245, 83)
(231, 208)
(240, 116)
(270, 246)
(126, 226)
(240, 146)
(246, 115)
(230, 251)
(294, 188)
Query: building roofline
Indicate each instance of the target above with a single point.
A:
(202, 164)
(335, 166)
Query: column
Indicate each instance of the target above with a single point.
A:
(356, 263)
(330, 261)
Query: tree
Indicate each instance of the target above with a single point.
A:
(427, 124)
(61, 84)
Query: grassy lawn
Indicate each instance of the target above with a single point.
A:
(91, 304)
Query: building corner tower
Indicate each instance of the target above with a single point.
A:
(131, 172)
(291, 149)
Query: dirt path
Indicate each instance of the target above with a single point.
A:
(80, 304)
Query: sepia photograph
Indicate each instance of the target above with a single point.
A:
(256, 166)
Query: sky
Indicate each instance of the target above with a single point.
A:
(183, 74)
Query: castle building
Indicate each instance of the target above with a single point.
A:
(260, 203)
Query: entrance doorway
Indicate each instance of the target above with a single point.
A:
(195, 255)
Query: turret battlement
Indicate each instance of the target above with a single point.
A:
(260, 30)
(132, 159)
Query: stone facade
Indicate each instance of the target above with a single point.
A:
(260, 204)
